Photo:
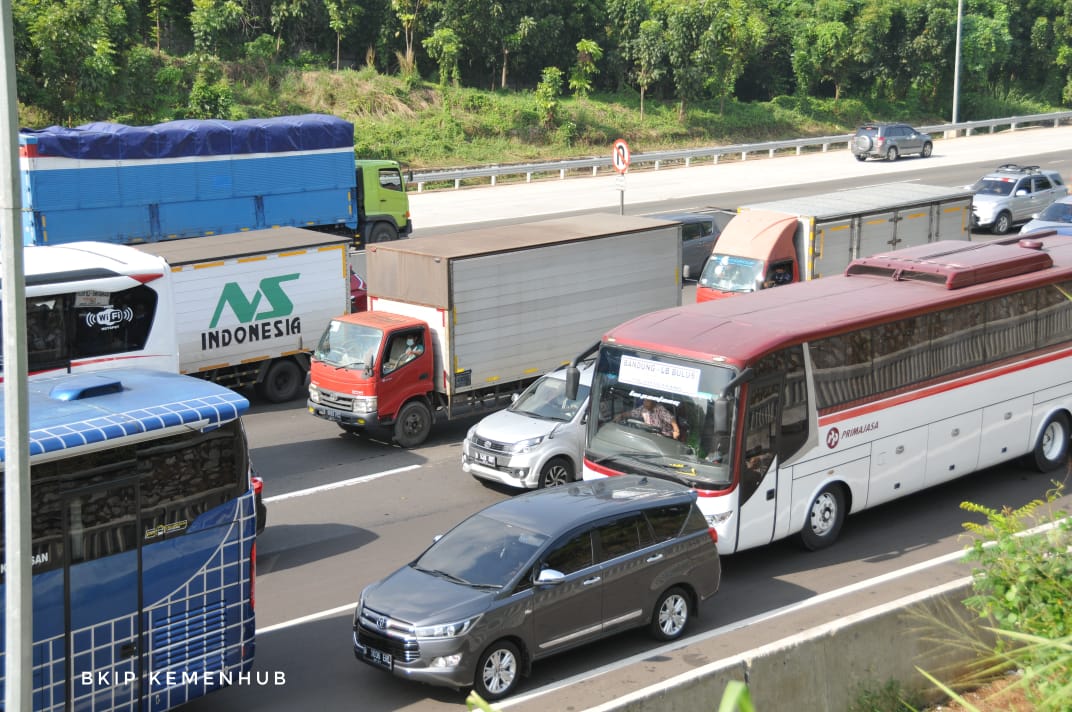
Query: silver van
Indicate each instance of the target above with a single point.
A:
(536, 442)
(537, 574)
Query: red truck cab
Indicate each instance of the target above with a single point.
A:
(374, 369)
(757, 250)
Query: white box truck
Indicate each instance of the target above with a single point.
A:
(458, 323)
(250, 306)
(797, 239)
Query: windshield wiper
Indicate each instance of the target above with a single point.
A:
(443, 574)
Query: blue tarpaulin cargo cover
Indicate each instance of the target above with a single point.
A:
(187, 137)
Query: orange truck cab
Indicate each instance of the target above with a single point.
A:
(751, 250)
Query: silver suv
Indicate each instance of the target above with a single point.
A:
(1012, 194)
(537, 442)
(889, 141)
(537, 574)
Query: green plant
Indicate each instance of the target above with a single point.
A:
(887, 697)
(547, 92)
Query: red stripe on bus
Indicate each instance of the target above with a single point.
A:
(941, 388)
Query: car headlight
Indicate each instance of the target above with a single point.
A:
(526, 445)
(446, 630)
(314, 394)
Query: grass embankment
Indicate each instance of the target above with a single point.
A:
(426, 126)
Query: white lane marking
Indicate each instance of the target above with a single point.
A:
(341, 483)
(309, 618)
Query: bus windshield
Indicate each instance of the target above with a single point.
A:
(662, 416)
(728, 273)
(346, 345)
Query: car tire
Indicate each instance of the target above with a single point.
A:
(892, 154)
(928, 149)
(498, 671)
(671, 614)
(413, 424)
(1051, 449)
(556, 471)
(1002, 223)
(382, 232)
(823, 518)
(861, 157)
(284, 381)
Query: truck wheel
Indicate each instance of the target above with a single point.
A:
(1002, 223)
(283, 382)
(824, 518)
(1051, 450)
(413, 424)
(382, 232)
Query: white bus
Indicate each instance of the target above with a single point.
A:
(798, 405)
(93, 305)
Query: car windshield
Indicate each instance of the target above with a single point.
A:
(1057, 212)
(993, 186)
(728, 273)
(546, 399)
(482, 552)
(348, 345)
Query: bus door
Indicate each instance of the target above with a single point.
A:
(758, 494)
(103, 597)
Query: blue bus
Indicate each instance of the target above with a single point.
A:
(144, 521)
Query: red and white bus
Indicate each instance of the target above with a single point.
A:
(94, 305)
(800, 405)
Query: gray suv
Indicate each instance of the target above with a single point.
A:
(537, 574)
(889, 141)
(1012, 194)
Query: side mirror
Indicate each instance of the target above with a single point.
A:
(573, 382)
(513, 397)
(722, 414)
(550, 576)
(1021, 193)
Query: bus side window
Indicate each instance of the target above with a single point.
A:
(761, 436)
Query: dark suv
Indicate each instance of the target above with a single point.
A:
(538, 574)
(889, 141)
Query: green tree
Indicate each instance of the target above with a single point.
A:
(408, 12)
(210, 19)
(343, 15)
(547, 93)
(824, 46)
(649, 52)
(584, 69)
(443, 46)
(735, 32)
(686, 24)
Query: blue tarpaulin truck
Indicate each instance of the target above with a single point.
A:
(134, 184)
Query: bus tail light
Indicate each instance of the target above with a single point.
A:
(713, 534)
(252, 576)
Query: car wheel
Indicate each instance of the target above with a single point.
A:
(283, 382)
(1051, 450)
(825, 515)
(892, 154)
(1002, 223)
(413, 424)
(498, 671)
(383, 232)
(861, 157)
(671, 615)
(556, 471)
(928, 149)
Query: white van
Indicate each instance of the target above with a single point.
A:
(537, 442)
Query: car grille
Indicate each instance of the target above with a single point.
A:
(384, 633)
(336, 400)
(491, 445)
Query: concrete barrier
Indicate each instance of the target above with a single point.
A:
(825, 668)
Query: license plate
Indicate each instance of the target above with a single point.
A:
(484, 459)
(379, 657)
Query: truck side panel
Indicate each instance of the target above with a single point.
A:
(555, 301)
(257, 307)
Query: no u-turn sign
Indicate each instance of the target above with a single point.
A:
(620, 156)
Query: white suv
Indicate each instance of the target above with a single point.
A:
(1013, 194)
(537, 442)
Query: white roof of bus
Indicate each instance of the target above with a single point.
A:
(73, 256)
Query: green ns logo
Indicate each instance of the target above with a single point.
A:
(246, 309)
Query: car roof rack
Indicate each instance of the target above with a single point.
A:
(1017, 168)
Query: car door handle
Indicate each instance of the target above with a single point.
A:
(654, 558)
(588, 582)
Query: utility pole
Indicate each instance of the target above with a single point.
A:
(956, 63)
(18, 603)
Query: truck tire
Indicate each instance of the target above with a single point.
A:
(382, 232)
(413, 424)
(283, 382)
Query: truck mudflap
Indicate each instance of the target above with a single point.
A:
(349, 419)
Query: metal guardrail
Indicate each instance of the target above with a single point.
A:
(684, 157)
